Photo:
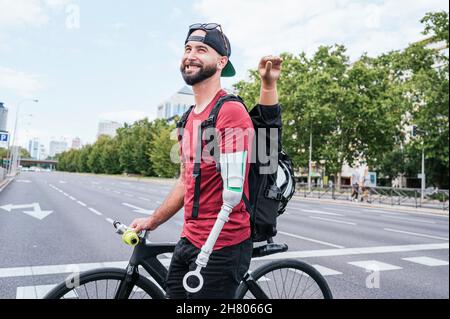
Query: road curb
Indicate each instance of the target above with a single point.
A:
(5, 183)
(375, 206)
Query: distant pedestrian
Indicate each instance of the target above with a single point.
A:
(355, 181)
(365, 185)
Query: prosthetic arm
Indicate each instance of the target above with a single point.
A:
(233, 167)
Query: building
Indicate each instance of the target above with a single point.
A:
(108, 128)
(57, 147)
(33, 148)
(177, 104)
(76, 143)
(42, 152)
(3, 117)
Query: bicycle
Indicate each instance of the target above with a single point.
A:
(283, 279)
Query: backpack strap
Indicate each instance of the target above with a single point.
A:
(210, 122)
(181, 124)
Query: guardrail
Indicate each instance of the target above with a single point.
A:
(436, 199)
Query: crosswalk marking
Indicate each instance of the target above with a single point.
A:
(427, 261)
(374, 265)
(33, 292)
(324, 271)
(354, 251)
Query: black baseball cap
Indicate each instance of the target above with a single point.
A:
(215, 39)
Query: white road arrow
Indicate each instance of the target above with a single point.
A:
(37, 212)
(139, 209)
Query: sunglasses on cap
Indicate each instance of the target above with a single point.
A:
(209, 26)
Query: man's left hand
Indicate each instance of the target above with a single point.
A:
(269, 69)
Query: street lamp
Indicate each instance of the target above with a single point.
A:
(14, 154)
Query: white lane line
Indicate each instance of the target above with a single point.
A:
(332, 220)
(380, 212)
(413, 220)
(374, 265)
(310, 239)
(117, 192)
(139, 209)
(146, 199)
(109, 220)
(355, 251)
(427, 261)
(414, 234)
(81, 203)
(319, 212)
(65, 194)
(129, 195)
(72, 198)
(324, 271)
(95, 211)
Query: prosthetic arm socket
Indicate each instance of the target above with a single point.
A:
(232, 167)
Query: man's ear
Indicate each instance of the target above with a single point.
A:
(222, 62)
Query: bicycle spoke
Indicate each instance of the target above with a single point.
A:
(298, 285)
(87, 294)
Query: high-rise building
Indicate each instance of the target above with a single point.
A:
(57, 147)
(3, 117)
(108, 128)
(76, 143)
(33, 148)
(177, 104)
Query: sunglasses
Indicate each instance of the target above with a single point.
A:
(209, 26)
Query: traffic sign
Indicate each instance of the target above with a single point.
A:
(4, 137)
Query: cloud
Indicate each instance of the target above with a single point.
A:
(274, 26)
(21, 83)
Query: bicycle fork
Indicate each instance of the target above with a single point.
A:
(126, 286)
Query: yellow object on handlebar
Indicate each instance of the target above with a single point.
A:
(130, 237)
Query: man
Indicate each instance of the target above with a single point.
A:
(355, 183)
(205, 60)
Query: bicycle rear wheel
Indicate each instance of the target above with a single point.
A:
(284, 279)
(104, 284)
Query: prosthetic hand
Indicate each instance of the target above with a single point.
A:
(233, 167)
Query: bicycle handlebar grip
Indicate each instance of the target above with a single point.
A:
(130, 237)
(194, 273)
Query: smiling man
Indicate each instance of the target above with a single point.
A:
(205, 60)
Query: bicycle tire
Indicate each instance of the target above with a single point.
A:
(261, 273)
(105, 274)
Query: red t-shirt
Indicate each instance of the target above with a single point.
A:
(232, 118)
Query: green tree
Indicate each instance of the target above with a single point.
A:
(161, 146)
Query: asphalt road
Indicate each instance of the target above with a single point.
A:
(51, 223)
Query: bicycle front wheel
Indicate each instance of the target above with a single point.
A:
(104, 284)
(284, 279)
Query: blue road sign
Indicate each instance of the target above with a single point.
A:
(4, 137)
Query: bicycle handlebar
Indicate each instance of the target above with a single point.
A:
(129, 236)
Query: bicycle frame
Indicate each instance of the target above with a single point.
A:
(145, 255)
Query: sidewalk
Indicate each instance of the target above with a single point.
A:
(404, 209)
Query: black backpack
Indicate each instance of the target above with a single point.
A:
(269, 192)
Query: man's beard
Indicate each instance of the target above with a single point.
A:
(203, 73)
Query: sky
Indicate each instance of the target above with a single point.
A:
(92, 60)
